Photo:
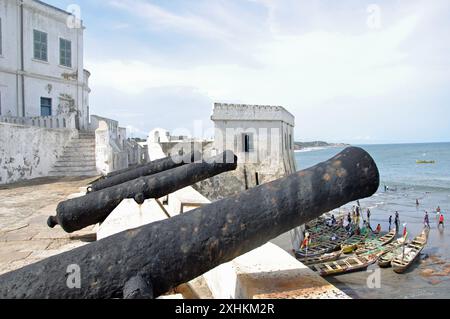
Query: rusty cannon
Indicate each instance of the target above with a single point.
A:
(151, 168)
(151, 260)
(78, 213)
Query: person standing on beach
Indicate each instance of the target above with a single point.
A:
(378, 229)
(390, 222)
(348, 228)
(441, 220)
(417, 202)
(397, 221)
(357, 217)
(426, 220)
(438, 213)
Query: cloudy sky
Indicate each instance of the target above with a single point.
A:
(350, 71)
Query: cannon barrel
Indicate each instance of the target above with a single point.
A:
(78, 213)
(148, 169)
(170, 252)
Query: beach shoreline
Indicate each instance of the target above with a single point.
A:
(408, 182)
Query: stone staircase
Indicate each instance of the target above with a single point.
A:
(78, 158)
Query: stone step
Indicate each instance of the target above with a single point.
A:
(79, 170)
(76, 157)
(87, 148)
(76, 147)
(67, 173)
(89, 164)
(82, 142)
(71, 170)
(78, 152)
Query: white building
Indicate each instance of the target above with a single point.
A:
(41, 63)
(261, 136)
(158, 135)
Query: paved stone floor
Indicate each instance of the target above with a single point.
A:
(25, 237)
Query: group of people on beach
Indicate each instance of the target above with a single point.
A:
(439, 218)
(354, 220)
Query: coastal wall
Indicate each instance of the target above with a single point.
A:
(268, 272)
(28, 152)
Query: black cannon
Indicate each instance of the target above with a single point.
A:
(155, 258)
(78, 213)
(148, 169)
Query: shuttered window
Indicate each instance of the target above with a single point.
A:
(40, 45)
(65, 52)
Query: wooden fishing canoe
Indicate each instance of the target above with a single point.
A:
(373, 243)
(324, 248)
(323, 245)
(346, 265)
(394, 249)
(402, 261)
(321, 259)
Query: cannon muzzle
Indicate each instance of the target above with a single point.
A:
(78, 213)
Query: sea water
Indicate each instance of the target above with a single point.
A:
(406, 181)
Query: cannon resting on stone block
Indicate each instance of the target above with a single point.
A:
(78, 213)
(151, 260)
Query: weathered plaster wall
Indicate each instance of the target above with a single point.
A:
(29, 152)
(110, 154)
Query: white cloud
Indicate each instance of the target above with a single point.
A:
(287, 61)
(307, 69)
(160, 18)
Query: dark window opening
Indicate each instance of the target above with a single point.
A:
(247, 143)
(46, 106)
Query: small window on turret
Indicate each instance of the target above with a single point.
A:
(247, 143)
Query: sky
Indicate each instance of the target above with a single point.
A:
(359, 72)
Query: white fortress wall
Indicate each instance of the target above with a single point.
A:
(29, 152)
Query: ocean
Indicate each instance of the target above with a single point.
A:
(406, 181)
